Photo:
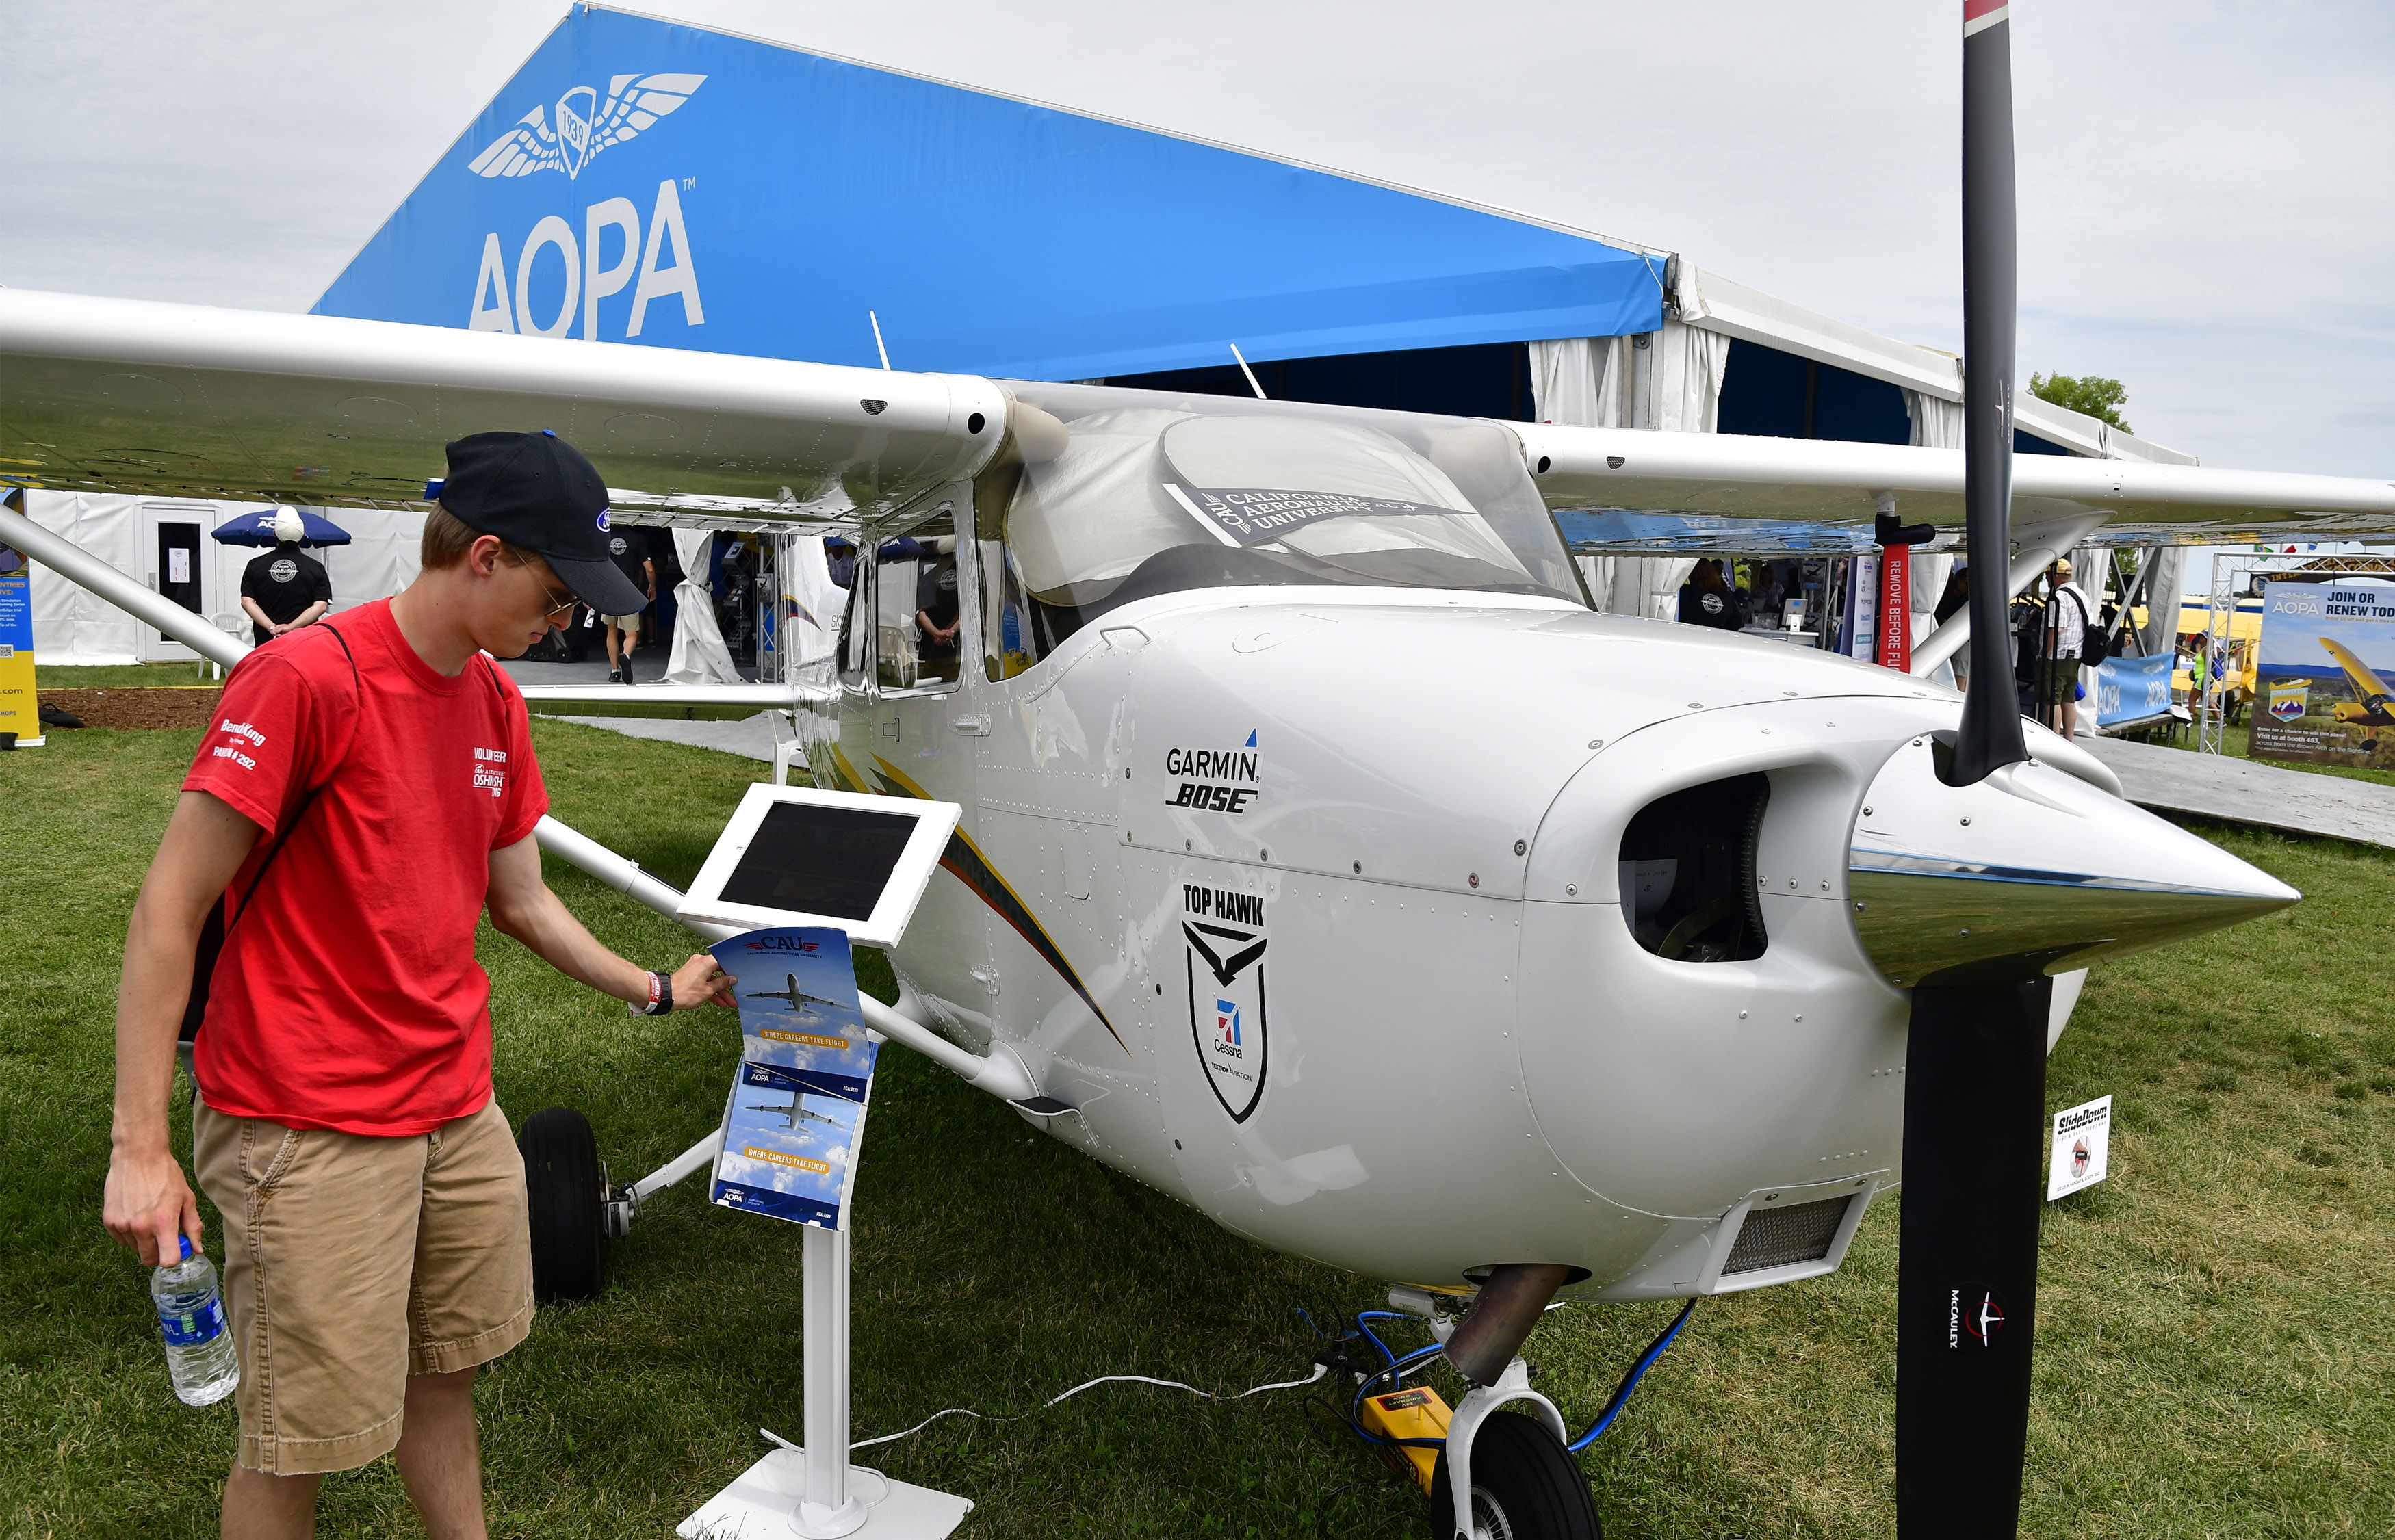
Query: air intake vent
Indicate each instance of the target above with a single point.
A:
(1784, 1237)
(1687, 872)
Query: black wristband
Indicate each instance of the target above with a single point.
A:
(664, 1003)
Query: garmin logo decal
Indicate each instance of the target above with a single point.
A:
(585, 126)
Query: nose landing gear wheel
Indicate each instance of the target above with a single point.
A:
(566, 1191)
(1525, 1486)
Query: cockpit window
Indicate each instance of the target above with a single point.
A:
(1143, 493)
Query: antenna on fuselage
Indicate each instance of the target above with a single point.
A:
(1250, 373)
(878, 345)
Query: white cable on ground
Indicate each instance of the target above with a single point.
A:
(1319, 1371)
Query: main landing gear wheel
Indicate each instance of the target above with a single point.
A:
(1525, 1486)
(565, 1190)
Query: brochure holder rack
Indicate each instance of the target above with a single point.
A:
(812, 1489)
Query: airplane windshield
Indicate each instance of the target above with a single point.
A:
(1145, 492)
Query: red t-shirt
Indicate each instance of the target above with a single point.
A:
(348, 995)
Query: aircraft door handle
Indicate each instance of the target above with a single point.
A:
(890, 728)
(972, 727)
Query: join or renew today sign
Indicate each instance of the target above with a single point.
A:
(2082, 1137)
(792, 1125)
(19, 709)
(2326, 672)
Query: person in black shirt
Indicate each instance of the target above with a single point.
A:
(935, 615)
(286, 588)
(1706, 598)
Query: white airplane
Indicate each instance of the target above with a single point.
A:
(796, 1116)
(798, 999)
(1301, 781)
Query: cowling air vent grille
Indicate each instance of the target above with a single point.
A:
(1782, 1237)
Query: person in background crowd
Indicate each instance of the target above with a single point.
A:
(2068, 615)
(840, 555)
(1771, 592)
(1957, 595)
(371, 796)
(286, 588)
(629, 550)
(936, 617)
(1707, 600)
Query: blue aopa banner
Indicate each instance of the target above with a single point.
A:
(2131, 689)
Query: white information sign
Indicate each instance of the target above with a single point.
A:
(2082, 1137)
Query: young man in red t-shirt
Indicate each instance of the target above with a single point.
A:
(369, 790)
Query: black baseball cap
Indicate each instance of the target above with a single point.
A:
(536, 490)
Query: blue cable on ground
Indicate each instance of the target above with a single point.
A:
(1629, 1381)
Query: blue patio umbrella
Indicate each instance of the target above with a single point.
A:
(258, 529)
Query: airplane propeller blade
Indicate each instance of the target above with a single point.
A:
(1975, 1075)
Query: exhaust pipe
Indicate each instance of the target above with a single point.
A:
(1509, 1305)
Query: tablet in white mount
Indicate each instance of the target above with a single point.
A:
(794, 855)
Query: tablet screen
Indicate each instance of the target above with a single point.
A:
(816, 859)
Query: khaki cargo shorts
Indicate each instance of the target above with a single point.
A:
(351, 1263)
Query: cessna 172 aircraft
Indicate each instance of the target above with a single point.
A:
(1299, 781)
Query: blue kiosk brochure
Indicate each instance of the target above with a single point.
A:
(797, 1108)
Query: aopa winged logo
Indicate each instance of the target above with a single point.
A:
(584, 125)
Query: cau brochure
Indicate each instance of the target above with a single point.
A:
(797, 1108)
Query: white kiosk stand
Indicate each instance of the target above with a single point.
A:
(795, 856)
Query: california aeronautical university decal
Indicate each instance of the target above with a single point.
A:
(1224, 931)
(1974, 1316)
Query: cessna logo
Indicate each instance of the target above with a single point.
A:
(585, 126)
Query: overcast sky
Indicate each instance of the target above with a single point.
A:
(2207, 199)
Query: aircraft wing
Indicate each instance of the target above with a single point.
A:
(132, 396)
(2367, 687)
(1634, 488)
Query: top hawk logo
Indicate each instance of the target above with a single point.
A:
(584, 127)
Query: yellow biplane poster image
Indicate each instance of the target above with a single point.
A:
(2326, 677)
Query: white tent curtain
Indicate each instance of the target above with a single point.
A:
(1691, 364)
(1579, 380)
(699, 655)
(69, 626)
(72, 627)
(384, 554)
(816, 602)
(1937, 422)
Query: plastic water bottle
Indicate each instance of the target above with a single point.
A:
(199, 1350)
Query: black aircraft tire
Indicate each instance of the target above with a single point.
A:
(561, 1190)
(1532, 1486)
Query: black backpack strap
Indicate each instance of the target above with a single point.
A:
(218, 926)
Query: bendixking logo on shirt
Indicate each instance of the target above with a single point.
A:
(487, 770)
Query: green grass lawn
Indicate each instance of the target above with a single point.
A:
(2217, 1323)
(2235, 737)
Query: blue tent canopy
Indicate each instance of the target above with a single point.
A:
(645, 181)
